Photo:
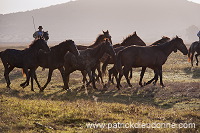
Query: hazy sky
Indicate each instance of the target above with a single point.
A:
(10, 6)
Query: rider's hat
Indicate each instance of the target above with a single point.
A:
(40, 27)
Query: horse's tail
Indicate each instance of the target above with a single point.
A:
(118, 63)
(189, 54)
(23, 73)
(0, 54)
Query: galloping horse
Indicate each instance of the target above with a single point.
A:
(101, 38)
(151, 56)
(55, 59)
(195, 47)
(87, 61)
(113, 72)
(132, 39)
(25, 59)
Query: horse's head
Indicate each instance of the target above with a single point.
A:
(133, 39)
(46, 35)
(40, 43)
(109, 48)
(179, 45)
(107, 35)
(72, 47)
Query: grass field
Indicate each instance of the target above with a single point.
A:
(56, 110)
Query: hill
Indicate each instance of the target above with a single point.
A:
(82, 20)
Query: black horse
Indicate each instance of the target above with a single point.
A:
(87, 61)
(152, 56)
(25, 59)
(195, 47)
(55, 59)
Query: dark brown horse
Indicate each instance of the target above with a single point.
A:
(151, 56)
(25, 59)
(101, 38)
(87, 61)
(132, 39)
(113, 72)
(55, 59)
(195, 47)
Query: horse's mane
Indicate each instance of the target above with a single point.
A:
(128, 38)
(160, 41)
(60, 44)
(97, 40)
(34, 42)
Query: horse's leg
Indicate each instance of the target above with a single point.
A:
(100, 73)
(6, 75)
(91, 76)
(192, 58)
(115, 73)
(126, 72)
(48, 80)
(197, 58)
(93, 81)
(118, 81)
(154, 78)
(84, 80)
(160, 74)
(32, 76)
(84, 74)
(131, 74)
(62, 72)
(35, 77)
(110, 79)
(142, 75)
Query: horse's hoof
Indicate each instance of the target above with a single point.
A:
(8, 87)
(154, 83)
(163, 86)
(145, 84)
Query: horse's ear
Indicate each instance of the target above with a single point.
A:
(176, 36)
(107, 31)
(135, 33)
(103, 31)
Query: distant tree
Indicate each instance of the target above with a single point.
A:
(191, 33)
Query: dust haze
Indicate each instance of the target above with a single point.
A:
(83, 20)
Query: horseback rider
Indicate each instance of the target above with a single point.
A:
(198, 34)
(38, 33)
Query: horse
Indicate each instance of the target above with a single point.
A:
(101, 38)
(113, 72)
(25, 59)
(151, 56)
(46, 35)
(132, 39)
(55, 59)
(195, 47)
(87, 61)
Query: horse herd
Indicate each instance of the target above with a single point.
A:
(68, 57)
